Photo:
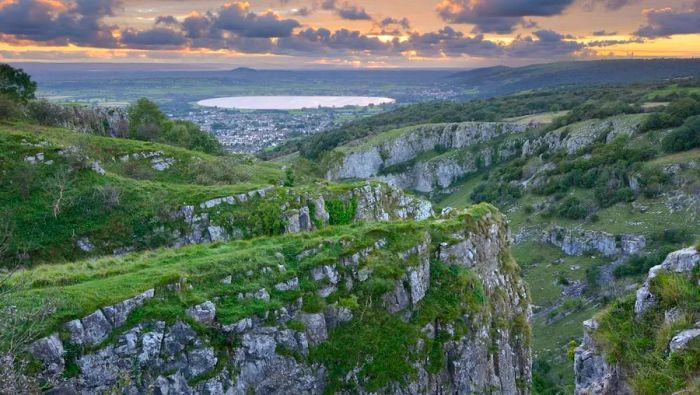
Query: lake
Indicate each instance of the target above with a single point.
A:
(292, 102)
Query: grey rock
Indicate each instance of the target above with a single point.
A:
(217, 233)
(419, 280)
(336, 315)
(85, 245)
(175, 384)
(681, 340)
(118, 313)
(681, 261)
(239, 326)
(200, 361)
(97, 327)
(97, 168)
(178, 336)
(291, 284)
(49, 350)
(316, 329)
(150, 345)
(204, 313)
(396, 300)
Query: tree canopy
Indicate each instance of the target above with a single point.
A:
(16, 84)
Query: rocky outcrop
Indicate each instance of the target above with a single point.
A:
(573, 138)
(471, 147)
(594, 374)
(682, 261)
(484, 349)
(368, 159)
(579, 242)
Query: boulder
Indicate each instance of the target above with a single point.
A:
(49, 350)
(315, 327)
(681, 340)
(118, 313)
(204, 313)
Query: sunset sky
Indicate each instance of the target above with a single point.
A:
(352, 33)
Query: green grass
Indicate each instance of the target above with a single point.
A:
(672, 90)
(78, 288)
(640, 345)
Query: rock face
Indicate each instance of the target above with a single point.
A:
(469, 146)
(593, 374)
(485, 350)
(368, 162)
(579, 242)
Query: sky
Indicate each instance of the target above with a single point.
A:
(346, 33)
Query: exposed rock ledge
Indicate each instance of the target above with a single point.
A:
(580, 241)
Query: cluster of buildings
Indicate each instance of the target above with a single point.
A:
(251, 131)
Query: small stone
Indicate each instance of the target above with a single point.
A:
(288, 285)
(85, 245)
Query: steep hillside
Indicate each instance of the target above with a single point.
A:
(647, 343)
(73, 195)
(397, 307)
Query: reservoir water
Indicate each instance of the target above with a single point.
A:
(292, 102)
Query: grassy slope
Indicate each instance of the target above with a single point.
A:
(29, 191)
(77, 289)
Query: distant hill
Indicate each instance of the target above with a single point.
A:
(244, 70)
(498, 80)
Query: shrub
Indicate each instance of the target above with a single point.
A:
(499, 192)
(145, 120)
(46, 113)
(685, 137)
(660, 120)
(340, 212)
(572, 208)
(9, 109)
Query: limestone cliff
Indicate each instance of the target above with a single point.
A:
(398, 308)
(431, 158)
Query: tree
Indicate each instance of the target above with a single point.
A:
(16, 84)
(145, 120)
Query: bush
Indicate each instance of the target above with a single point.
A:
(48, 114)
(637, 264)
(685, 137)
(9, 109)
(572, 208)
(145, 120)
(660, 120)
(499, 192)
